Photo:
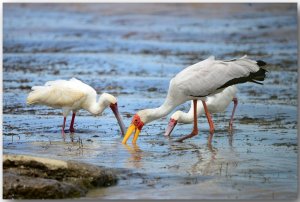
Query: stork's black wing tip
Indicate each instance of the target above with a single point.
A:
(261, 63)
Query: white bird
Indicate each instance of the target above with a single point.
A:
(215, 103)
(73, 95)
(196, 82)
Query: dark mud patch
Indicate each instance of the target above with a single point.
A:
(26, 177)
(285, 144)
(260, 121)
(152, 89)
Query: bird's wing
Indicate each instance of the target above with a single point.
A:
(63, 82)
(195, 67)
(208, 76)
(56, 94)
(83, 86)
(64, 96)
(76, 81)
(56, 82)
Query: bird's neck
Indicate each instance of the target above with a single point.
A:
(156, 113)
(186, 117)
(189, 116)
(97, 107)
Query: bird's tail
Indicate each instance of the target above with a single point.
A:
(260, 75)
(35, 95)
(254, 76)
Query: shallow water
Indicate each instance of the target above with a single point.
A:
(132, 53)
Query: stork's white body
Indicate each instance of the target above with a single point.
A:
(197, 82)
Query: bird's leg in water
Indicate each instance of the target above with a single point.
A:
(209, 120)
(195, 129)
(235, 102)
(63, 127)
(72, 130)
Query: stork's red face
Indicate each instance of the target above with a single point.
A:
(137, 125)
(171, 126)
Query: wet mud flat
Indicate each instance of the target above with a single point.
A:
(132, 51)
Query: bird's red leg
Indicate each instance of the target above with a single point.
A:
(63, 127)
(209, 120)
(72, 130)
(195, 129)
(235, 102)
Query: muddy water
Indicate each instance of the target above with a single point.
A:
(132, 51)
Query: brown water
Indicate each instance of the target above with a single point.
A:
(132, 51)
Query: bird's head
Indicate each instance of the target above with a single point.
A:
(111, 101)
(173, 122)
(108, 99)
(136, 125)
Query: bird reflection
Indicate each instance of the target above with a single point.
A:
(71, 137)
(212, 150)
(136, 155)
(207, 162)
(230, 139)
(204, 164)
(209, 139)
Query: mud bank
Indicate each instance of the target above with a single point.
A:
(27, 177)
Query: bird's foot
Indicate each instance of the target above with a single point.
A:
(195, 132)
(72, 130)
(179, 140)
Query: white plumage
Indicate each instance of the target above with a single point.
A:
(206, 77)
(72, 95)
(196, 82)
(215, 103)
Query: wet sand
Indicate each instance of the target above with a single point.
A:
(132, 51)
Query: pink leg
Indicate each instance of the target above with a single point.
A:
(235, 102)
(72, 130)
(209, 120)
(195, 129)
(63, 127)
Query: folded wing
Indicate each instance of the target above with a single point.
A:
(210, 75)
(59, 93)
